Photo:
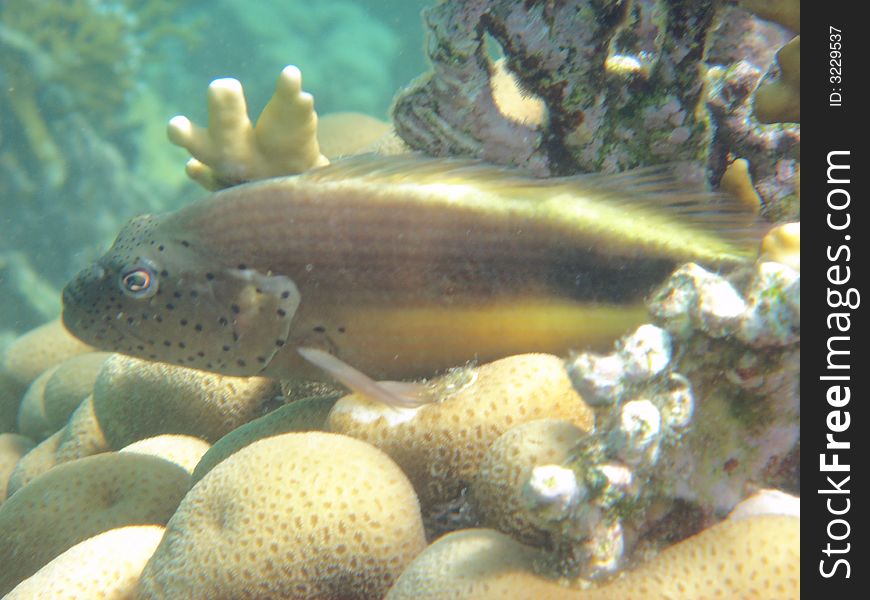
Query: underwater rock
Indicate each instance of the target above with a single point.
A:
(307, 515)
(182, 450)
(307, 414)
(497, 491)
(573, 56)
(80, 499)
(441, 445)
(136, 399)
(106, 566)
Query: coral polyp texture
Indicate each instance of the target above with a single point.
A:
(721, 562)
(441, 445)
(301, 515)
(232, 150)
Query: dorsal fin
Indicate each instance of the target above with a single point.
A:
(662, 205)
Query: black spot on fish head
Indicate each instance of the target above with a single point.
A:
(158, 295)
(121, 302)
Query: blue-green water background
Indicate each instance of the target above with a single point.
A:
(89, 85)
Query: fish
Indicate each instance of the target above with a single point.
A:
(398, 268)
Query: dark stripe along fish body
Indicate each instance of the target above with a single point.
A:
(400, 267)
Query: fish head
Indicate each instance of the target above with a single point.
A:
(159, 294)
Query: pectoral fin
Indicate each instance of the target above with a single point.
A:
(393, 393)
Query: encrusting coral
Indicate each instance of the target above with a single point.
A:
(572, 55)
(754, 559)
(302, 515)
(106, 566)
(497, 490)
(80, 499)
(231, 150)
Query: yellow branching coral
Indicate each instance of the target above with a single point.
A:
(782, 244)
(737, 180)
(232, 150)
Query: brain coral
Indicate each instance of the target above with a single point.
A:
(496, 492)
(308, 414)
(136, 399)
(752, 559)
(106, 566)
(39, 349)
(80, 499)
(441, 445)
(301, 515)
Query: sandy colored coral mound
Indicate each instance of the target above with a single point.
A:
(33, 464)
(343, 134)
(135, 399)
(440, 445)
(299, 515)
(105, 567)
(302, 415)
(475, 564)
(496, 492)
(39, 349)
(32, 421)
(80, 499)
(12, 447)
(183, 450)
(72, 382)
(82, 435)
(751, 559)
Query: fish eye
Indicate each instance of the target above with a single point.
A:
(138, 282)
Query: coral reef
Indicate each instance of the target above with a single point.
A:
(283, 517)
(183, 450)
(307, 414)
(721, 562)
(621, 86)
(110, 562)
(441, 445)
(136, 399)
(78, 500)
